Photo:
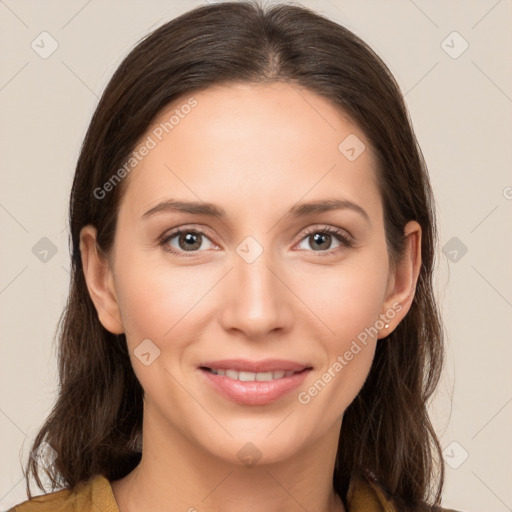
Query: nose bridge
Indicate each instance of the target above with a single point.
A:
(257, 281)
(257, 300)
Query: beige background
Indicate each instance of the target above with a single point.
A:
(461, 110)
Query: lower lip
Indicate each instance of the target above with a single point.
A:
(254, 392)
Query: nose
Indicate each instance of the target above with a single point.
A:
(257, 301)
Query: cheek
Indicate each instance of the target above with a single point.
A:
(347, 298)
(161, 304)
(155, 297)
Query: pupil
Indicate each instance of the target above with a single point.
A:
(189, 241)
(318, 237)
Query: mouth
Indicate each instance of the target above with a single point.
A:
(254, 383)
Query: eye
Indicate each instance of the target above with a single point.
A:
(187, 240)
(321, 238)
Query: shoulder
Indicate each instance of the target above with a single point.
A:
(94, 495)
(58, 501)
(369, 496)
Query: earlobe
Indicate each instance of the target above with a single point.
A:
(100, 284)
(403, 281)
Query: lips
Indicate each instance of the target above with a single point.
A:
(254, 382)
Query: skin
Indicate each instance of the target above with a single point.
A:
(254, 150)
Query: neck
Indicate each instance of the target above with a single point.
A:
(176, 474)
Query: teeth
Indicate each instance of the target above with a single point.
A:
(251, 376)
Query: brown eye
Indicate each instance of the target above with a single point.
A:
(185, 240)
(320, 240)
(189, 241)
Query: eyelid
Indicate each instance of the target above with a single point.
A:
(346, 240)
(319, 228)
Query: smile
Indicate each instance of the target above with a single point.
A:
(253, 382)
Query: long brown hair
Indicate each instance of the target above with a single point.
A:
(95, 425)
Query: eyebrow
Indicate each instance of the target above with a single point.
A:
(211, 210)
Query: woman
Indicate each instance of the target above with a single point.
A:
(251, 320)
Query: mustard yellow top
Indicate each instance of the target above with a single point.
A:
(96, 496)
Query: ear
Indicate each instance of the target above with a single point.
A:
(402, 282)
(100, 283)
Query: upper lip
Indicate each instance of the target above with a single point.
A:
(265, 365)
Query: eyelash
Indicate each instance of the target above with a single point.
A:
(346, 240)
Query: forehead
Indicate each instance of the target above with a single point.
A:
(247, 146)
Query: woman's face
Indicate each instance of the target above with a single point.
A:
(259, 285)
